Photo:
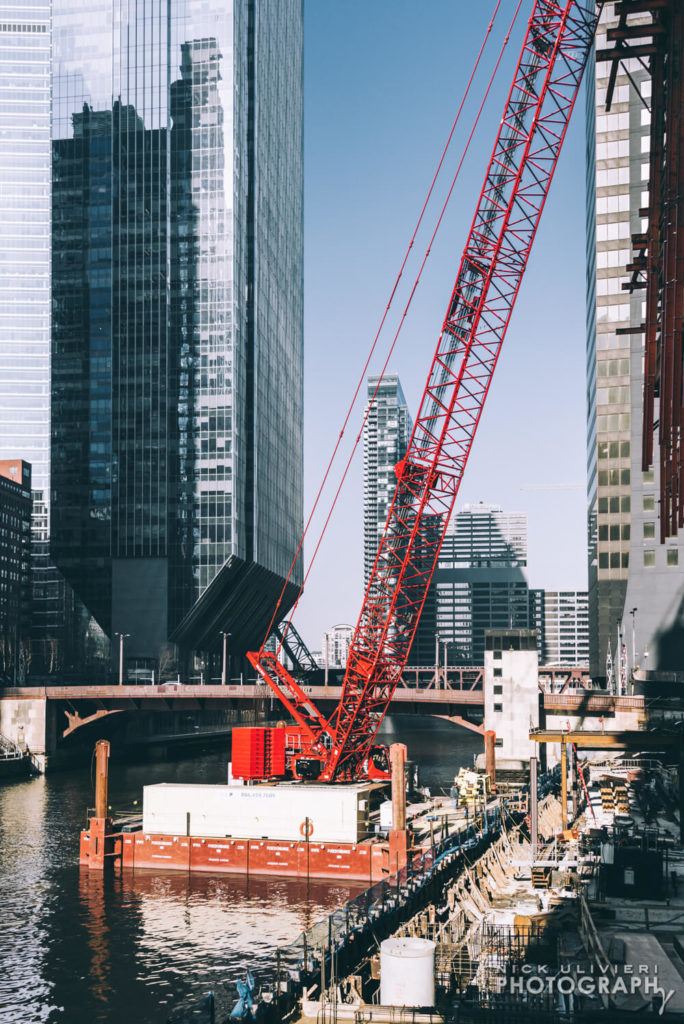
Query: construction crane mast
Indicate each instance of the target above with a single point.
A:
(532, 130)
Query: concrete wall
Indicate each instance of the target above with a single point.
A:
(511, 693)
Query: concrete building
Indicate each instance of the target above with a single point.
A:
(564, 628)
(15, 570)
(385, 437)
(628, 567)
(25, 301)
(177, 384)
(335, 647)
(480, 583)
(511, 692)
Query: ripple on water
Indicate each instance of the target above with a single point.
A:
(80, 948)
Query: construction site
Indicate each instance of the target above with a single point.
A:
(548, 883)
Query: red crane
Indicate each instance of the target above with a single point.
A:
(554, 54)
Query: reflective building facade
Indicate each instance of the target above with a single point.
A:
(481, 580)
(386, 434)
(628, 568)
(25, 48)
(177, 315)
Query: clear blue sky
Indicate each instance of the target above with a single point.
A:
(383, 79)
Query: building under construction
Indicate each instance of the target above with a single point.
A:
(634, 339)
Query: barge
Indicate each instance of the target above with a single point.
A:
(289, 829)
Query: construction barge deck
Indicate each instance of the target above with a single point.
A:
(361, 832)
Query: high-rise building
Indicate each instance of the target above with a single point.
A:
(25, 161)
(177, 354)
(480, 582)
(385, 437)
(564, 632)
(336, 642)
(629, 570)
(15, 570)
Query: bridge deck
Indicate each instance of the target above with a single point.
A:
(135, 694)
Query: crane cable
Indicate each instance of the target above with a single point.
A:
(389, 304)
(381, 325)
(405, 311)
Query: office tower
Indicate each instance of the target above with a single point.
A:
(480, 582)
(385, 436)
(336, 643)
(15, 570)
(25, 300)
(177, 316)
(565, 629)
(628, 568)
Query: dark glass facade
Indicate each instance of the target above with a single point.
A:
(177, 315)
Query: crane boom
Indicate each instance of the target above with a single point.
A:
(554, 54)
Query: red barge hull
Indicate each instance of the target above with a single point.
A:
(368, 861)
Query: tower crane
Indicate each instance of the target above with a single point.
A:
(342, 747)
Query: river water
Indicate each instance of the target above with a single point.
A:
(77, 947)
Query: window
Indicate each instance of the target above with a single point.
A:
(649, 531)
(497, 672)
(673, 556)
(498, 742)
(649, 557)
(498, 707)
(497, 656)
(498, 690)
(649, 503)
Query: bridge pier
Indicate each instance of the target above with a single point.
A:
(31, 724)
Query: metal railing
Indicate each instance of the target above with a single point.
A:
(331, 948)
(9, 751)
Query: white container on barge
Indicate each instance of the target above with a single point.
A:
(326, 814)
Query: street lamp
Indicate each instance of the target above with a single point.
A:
(437, 659)
(122, 637)
(224, 664)
(633, 614)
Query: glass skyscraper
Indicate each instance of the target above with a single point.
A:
(629, 570)
(386, 435)
(177, 351)
(480, 581)
(25, 180)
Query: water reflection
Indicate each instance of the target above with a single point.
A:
(77, 947)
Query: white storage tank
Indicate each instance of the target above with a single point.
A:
(407, 972)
